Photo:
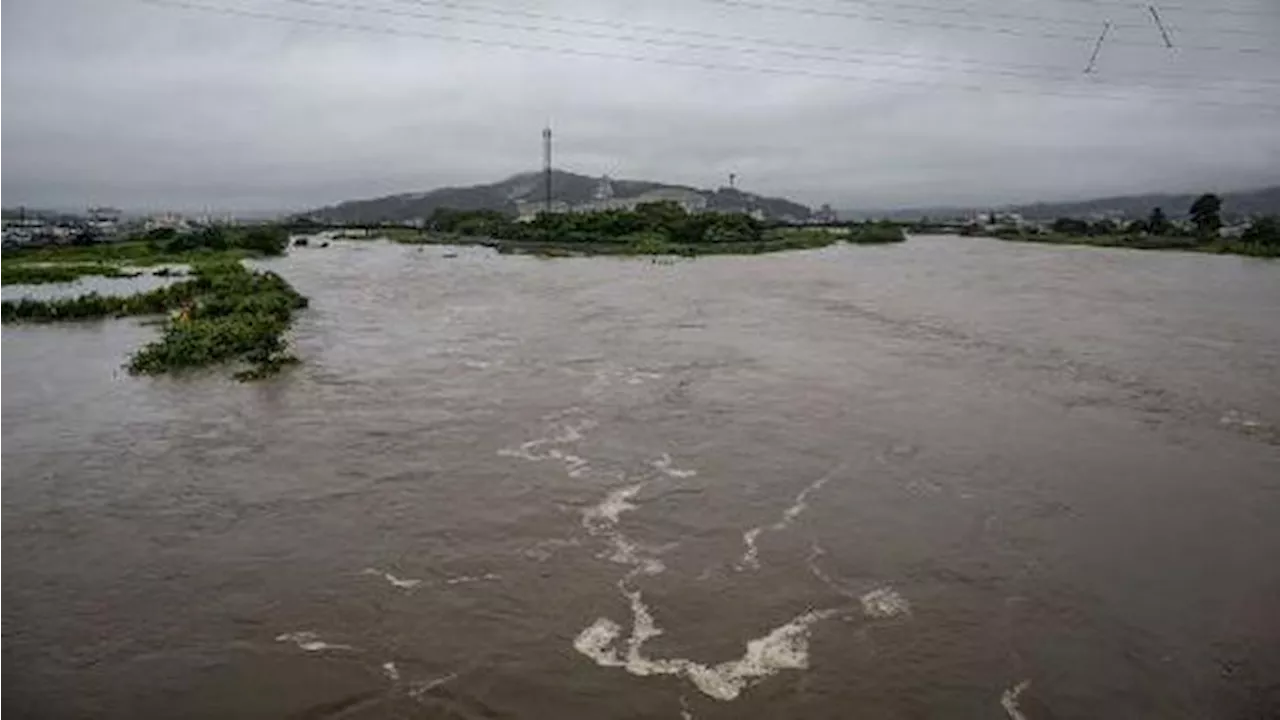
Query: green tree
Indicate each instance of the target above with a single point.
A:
(1070, 226)
(1264, 231)
(1157, 224)
(1104, 226)
(266, 239)
(86, 236)
(212, 237)
(1206, 214)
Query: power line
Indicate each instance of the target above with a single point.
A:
(1093, 59)
(985, 13)
(578, 52)
(1188, 9)
(842, 52)
(613, 37)
(961, 26)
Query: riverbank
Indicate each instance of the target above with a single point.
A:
(66, 263)
(1188, 243)
(224, 312)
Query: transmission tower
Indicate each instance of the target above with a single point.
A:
(546, 165)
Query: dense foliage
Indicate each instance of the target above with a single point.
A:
(1157, 232)
(224, 312)
(164, 245)
(1265, 231)
(650, 229)
(665, 220)
(1206, 214)
(30, 274)
(259, 239)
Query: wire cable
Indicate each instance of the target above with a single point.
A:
(984, 13)
(966, 27)
(826, 53)
(633, 39)
(578, 52)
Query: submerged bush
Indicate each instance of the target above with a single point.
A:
(24, 274)
(224, 312)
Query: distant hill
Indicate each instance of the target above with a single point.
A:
(1263, 201)
(507, 196)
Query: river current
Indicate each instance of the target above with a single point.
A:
(952, 478)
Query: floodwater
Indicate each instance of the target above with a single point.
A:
(143, 281)
(952, 478)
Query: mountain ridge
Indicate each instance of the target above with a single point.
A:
(1235, 204)
(529, 189)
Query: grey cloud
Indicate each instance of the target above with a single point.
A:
(142, 105)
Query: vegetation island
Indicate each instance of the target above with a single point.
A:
(659, 228)
(1202, 231)
(222, 312)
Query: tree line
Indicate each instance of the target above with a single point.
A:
(1205, 217)
(664, 221)
(260, 239)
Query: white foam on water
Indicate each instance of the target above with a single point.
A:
(391, 671)
(602, 379)
(1235, 417)
(783, 648)
(663, 465)
(542, 550)
(472, 578)
(544, 448)
(605, 514)
(402, 583)
(816, 551)
(421, 688)
(310, 641)
(685, 712)
(750, 559)
(596, 642)
(884, 602)
(1009, 700)
(575, 465)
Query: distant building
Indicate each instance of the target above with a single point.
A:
(604, 189)
(104, 214)
(1234, 232)
(824, 216)
(171, 221)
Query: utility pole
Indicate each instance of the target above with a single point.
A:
(546, 165)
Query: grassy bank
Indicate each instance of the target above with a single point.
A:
(661, 230)
(1147, 242)
(223, 313)
(130, 252)
(163, 246)
(14, 273)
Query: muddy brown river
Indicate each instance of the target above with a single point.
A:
(957, 478)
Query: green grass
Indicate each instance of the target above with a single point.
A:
(865, 234)
(1188, 243)
(15, 273)
(397, 234)
(653, 243)
(223, 313)
(131, 252)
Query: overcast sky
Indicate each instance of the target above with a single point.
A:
(859, 103)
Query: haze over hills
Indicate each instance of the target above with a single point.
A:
(1244, 203)
(528, 189)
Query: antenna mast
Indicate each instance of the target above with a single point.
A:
(546, 165)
